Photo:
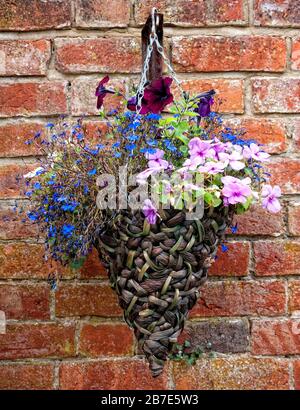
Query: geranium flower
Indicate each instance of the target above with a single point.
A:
(236, 190)
(270, 195)
(253, 152)
(150, 211)
(101, 91)
(156, 97)
(205, 102)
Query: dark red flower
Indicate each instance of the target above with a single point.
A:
(205, 102)
(156, 97)
(101, 91)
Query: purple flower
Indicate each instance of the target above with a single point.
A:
(150, 212)
(156, 164)
(205, 102)
(199, 150)
(101, 91)
(233, 159)
(236, 190)
(212, 167)
(270, 195)
(253, 152)
(156, 97)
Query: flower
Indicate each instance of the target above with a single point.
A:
(253, 152)
(156, 164)
(199, 150)
(156, 97)
(101, 91)
(34, 173)
(150, 211)
(233, 160)
(212, 167)
(270, 195)
(67, 230)
(205, 102)
(236, 190)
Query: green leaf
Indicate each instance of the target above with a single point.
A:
(77, 263)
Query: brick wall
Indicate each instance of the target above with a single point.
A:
(52, 53)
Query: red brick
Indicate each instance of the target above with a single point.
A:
(276, 95)
(258, 222)
(26, 99)
(98, 55)
(12, 224)
(28, 15)
(109, 375)
(238, 53)
(294, 218)
(11, 180)
(95, 131)
(231, 298)
(37, 340)
(275, 337)
(15, 376)
(277, 258)
(296, 54)
(24, 57)
(296, 135)
(285, 173)
(92, 267)
(102, 13)
(84, 100)
(234, 262)
(270, 133)
(193, 13)
(25, 301)
(26, 261)
(277, 13)
(13, 137)
(87, 300)
(297, 374)
(230, 91)
(232, 373)
(294, 296)
(103, 339)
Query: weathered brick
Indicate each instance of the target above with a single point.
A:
(37, 340)
(228, 298)
(29, 15)
(297, 374)
(13, 137)
(230, 91)
(15, 376)
(294, 296)
(277, 13)
(276, 95)
(296, 135)
(109, 375)
(271, 133)
(98, 55)
(285, 172)
(233, 262)
(258, 222)
(24, 260)
(13, 225)
(233, 373)
(25, 301)
(92, 267)
(84, 101)
(277, 258)
(224, 336)
(238, 53)
(28, 98)
(193, 13)
(87, 299)
(11, 180)
(24, 57)
(102, 13)
(296, 54)
(294, 218)
(103, 339)
(275, 337)
(95, 132)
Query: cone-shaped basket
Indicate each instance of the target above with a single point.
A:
(157, 270)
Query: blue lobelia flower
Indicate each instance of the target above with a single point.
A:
(67, 230)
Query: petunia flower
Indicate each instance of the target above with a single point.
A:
(150, 211)
(235, 190)
(270, 195)
(101, 91)
(253, 152)
(205, 102)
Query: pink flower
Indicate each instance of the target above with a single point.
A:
(199, 150)
(236, 190)
(156, 164)
(150, 212)
(219, 147)
(233, 159)
(212, 167)
(253, 152)
(270, 195)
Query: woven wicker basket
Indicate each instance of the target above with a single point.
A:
(156, 270)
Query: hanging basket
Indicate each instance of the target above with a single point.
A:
(156, 271)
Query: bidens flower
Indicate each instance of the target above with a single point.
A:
(270, 195)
